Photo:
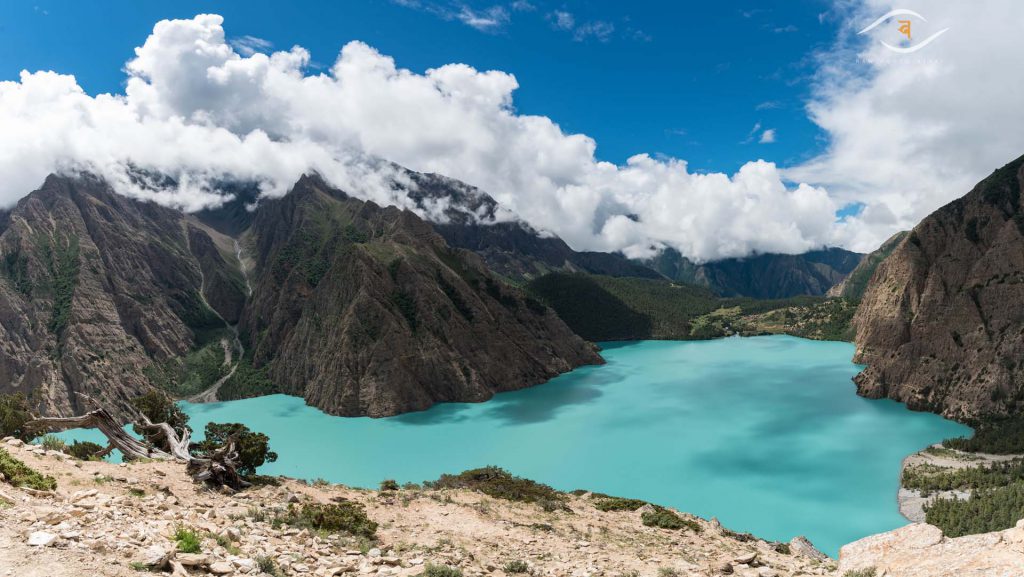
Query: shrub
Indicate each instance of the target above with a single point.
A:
(389, 485)
(253, 448)
(618, 504)
(21, 475)
(665, 519)
(269, 566)
(440, 571)
(668, 572)
(14, 413)
(516, 566)
(159, 408)
(84, 450)
(500, 484)
(866, 572)
(53, 443)
(345, 517)
(187, 539)
(783, 548)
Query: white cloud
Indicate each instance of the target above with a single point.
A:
(768, 136)
(248, 45)
(197, 109)
(909, 133)
(486, 20)
(598, 29)
(562, 20)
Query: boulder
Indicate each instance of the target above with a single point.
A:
(221, 568)
(41, 539)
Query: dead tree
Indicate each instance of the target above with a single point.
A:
(217, 468)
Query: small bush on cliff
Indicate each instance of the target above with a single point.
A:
(866, 572)
(665, 519)
(344, 517)
(187, 540)
(53, 443)
(14, 413)
(608, 503)
(440, 571)
(253, 448)
(500, 484)
(21, 475)
(389, 485)
(84, 450)
(516, 566)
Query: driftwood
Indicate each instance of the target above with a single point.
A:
(217, 468)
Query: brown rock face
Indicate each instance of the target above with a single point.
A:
(360, 309)
(366, 311)
(94, 287)
(941, 324)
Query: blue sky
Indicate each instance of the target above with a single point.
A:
(687, 80)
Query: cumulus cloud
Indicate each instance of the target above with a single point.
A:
(911, 132)
(197, 109)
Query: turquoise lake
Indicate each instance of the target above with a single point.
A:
(765, 433)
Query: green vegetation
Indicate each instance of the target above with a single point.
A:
(608, 503)
(269, 566)
(187, 540)
(1001, 437)
(15, 268)
(516, 566)
(343, 517)
(929, 478)
(866, 572)
(84, 450)
(668, 572)
(21, 475)
(253, 448)
(53, 443)
(985, 510)
(63, 261)
(159, 408)
(195, 373)
(501, 484)
(601, 308)
(663, 518)
(246, 382)
(14, 413)
(432, 570)
(389, 485)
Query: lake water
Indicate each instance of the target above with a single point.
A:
(765, 433)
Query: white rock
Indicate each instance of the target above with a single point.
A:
(221, 568)
(41, 539)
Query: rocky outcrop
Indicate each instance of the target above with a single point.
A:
(853, 286)
(366, 310)
(94, 288)
(921, 550)
(941, 324)
(765, 276)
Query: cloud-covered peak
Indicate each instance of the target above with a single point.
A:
(198, 110)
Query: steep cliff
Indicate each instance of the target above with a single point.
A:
(365, 310)
(855, 283)
(95, 288)
(941, 324)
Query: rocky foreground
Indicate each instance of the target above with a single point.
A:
(117, 520)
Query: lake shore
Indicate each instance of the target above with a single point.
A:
(911, 502)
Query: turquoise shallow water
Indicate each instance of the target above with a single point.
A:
(765, 433)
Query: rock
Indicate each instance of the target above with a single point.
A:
(725, 568)
(155, 556)
(939, 325)
(300, 568)
(41, 539)
(232, 534)
(193, 559)
(767, 572)
(375, 552)
(15, 442)
(746, 558)
(221, 568)
(291, 498)
(803, 547)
